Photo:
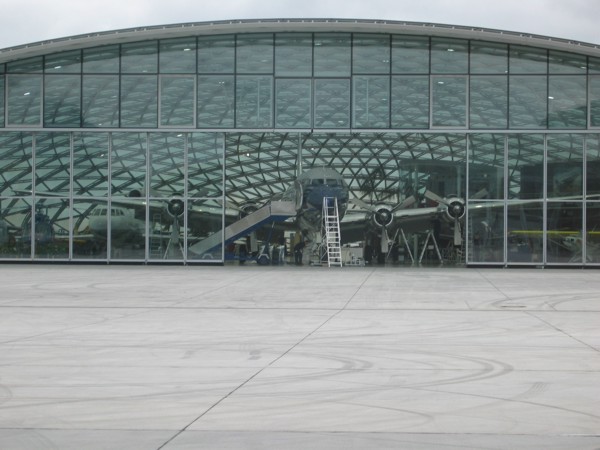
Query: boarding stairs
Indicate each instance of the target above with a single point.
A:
(275, 211)
(330, 234)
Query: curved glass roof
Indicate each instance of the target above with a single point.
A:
(293, 25)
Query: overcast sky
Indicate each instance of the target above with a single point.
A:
(27, 21)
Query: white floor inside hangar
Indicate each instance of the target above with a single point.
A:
(172, 357)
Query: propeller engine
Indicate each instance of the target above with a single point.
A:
(175, 207)
(382, 216)
(454, 210)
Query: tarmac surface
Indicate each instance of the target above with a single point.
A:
(248, 357)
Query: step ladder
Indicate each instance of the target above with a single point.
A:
(330, 234)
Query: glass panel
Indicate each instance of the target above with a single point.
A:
(166, 239)
(489, 102)
(486, 237)
(332, 103)
(100, 101)
(565, 165)
(488, 57)
(528, 98)
(594, 65)
(1, 101)
(567, 102)
(177, 96)
(526, 166)
(410, 102)
(205, 184)
(593, 168)
(594, 101)
(52, 163)
(528, 60)
(254, 102)
(592, 238)
(67, 62)
(167, 165)
(293, 55)
(178, 55)
(410, 54)
(565, 224)
(449, 55)
(128, 190)
(128, 165)
(486, 166)
(167, 208)
(30, 65)
(139, 57)
(205, 234)
(51, 228)
(293, 103)
(371, 102)
(525, 232)
(562, 62)
(139, 96)
(255, 53)
(62, 101)
(90, 164)
(127, 229)
(16, 228)
(90, 225)
(449, 102)
(15, 174)
(250, 182)
(371, 54)
(332, 53)
(216, 101)
(24, 100)
(216, 54)
(101, 59)
(205, 162)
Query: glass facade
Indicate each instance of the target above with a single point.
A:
(141, 151)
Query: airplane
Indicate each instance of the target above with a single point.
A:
(385, 220)
(127, 215)
(301, 212)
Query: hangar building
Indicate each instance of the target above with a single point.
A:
(146, 144)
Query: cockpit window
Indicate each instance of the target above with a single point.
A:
(317, 182)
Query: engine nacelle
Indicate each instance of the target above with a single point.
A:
(455, 209)
(382, 216)
(247, 208)
(176, 207)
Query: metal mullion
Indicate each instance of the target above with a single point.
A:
(147, 200)
(33, 197)
(108, 201)
(505, 201)
(71, 201)
(545, 203)
(584, 204)
(186, 137)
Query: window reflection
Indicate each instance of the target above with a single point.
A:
(564, 229)
(24, 99)
(103, 194)
(525, 232)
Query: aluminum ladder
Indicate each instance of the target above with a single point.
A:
(330, 234)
